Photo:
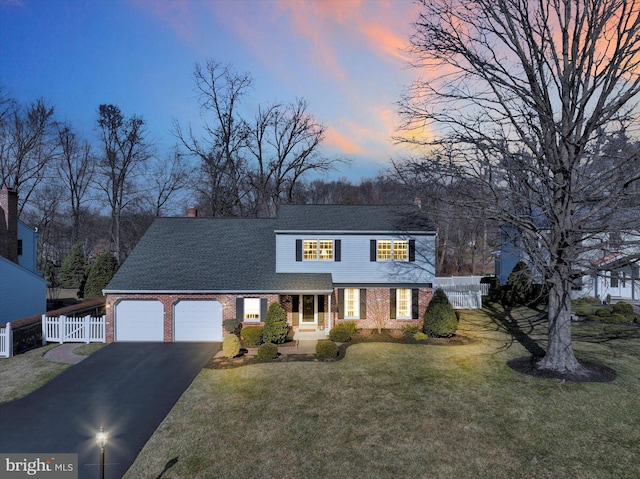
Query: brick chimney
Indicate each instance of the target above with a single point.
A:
(192, 212)
(9, 224)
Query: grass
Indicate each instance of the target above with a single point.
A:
(24, 373)
(412, 411)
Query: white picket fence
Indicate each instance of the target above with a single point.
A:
(63, 329)
(6, 341)
(461, 283)
(465, 299)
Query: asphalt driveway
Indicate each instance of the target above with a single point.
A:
(126, 387)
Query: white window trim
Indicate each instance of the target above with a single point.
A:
(392, 252)
(318, 250)
(356, 303)
(250, 310)
(409, 305)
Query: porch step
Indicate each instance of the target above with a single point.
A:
(303, 335)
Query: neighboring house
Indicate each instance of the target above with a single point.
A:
(323, 263)
(614, 275)
(23, 290)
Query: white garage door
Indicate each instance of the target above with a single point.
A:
(138, 320)
(197, 321)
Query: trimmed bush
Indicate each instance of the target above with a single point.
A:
(326, 349)
(252, 335)
(275, 325)
(625, 309)
(340, 333)
(231, 346)
(420, 336)
(603, 312)
(440, 319)
(267, 351)
(410, 328)
(350, 326)
(518, 290)
(616, 318)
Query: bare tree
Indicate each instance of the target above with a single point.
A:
(519, 98)
(284, 142)
(125, 151)
(27, 146)
(220, 90)
(76, 168)
(165, 179)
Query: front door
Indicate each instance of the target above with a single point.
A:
(308, 310)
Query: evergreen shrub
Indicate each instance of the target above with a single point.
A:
(275, 325)
(100, 274)
(420, 336)
(440, 319)
(326, 349)
(267, 351)
(625, 309)
(340, 333)
(252, 335)
(231, 346)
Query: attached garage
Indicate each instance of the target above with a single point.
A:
(139, 320)
(197, 320)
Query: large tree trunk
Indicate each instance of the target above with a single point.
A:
(560, 356)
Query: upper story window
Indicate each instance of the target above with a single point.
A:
(318, 250)
(397, 250)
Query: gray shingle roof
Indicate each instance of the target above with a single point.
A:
(237, 255)
(352, 218)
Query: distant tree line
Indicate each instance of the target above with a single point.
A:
(101, 193)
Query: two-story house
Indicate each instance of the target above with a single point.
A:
(323, 263)
(23, 290)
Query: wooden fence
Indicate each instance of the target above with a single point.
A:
(6, 341)
(63, 329)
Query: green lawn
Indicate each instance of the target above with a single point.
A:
(410, 411)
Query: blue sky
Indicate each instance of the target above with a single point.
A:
(345, 57)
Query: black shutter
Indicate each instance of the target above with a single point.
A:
(415, 308)
(295, 310)
(373, 250)
(392, 303)
(298, 250)
(264, 307)
(412, 250)
(337, 253)
(340, 303)
(240, 309)
(363, 304)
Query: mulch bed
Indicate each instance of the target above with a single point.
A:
(359, 337)
(591, 372)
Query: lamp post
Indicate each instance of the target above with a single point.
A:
(101, 440)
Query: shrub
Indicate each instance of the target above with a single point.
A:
(275, 325)
(396, 333)
(350, 326)
(518, 290)
(494, 288)
(410, 328)
(267, 351)
(233, 326)
(340, 333)
(252, 335)
(420, 336)
(616, 318)
(603, 312)
(625, 309)
(231, 346)
(440, 319)
(326, 349)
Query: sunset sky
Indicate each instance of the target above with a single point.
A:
(345, 57)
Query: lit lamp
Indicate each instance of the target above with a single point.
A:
(101, 440)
